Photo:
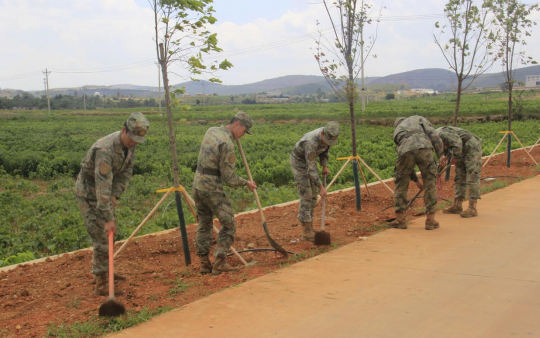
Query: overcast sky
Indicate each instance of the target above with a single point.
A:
(263, 39)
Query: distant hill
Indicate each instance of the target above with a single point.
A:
(433, 78)
(495, 79)
(108, 91)
(445, 80)
(278, 83)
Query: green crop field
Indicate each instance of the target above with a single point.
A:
(40, 157)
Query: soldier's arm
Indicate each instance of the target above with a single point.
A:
(324, 157)
(227, 161)
(413, 176)
(311, 157)
(104, 179)
(121, 180)
(435, 139)
(455, 145)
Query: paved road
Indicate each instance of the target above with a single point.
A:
(476, 277)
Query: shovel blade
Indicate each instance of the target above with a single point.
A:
(272, 242)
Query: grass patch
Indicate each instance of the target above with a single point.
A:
(187, 272)
(494, 186)
(97, 326)
(361, 231)
(179, 286)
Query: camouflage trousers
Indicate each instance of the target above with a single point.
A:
(423, 158)
(307, 191)
(468, 169)
(208, 204)
(95, 226)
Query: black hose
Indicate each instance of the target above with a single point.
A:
(261, 249)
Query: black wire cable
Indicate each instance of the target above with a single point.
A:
(261, 249)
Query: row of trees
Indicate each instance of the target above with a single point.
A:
(478, 33)
(28, 101)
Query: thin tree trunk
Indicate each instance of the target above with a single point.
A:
(509, 145)
(510, 106)
(458, 101)
(353, 128)
(172, 142)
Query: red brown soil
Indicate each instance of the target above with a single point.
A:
(34, 295)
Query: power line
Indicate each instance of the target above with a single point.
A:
(21, 76)
(233, 53)
(139, 64)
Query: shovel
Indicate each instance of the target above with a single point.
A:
(111, 308)
(263, 219)
(322, 237)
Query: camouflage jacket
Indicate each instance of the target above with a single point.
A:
(308, 149)
(454, 139)
(105, 172)
(217, 155)
(416, 132)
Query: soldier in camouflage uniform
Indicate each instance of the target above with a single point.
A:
(303, 161)
(466, 149)
(415, 139)
(104, 176)
(215, 167)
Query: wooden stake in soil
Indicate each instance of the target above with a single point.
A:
(111, 308)
(322, 237)
(144, 222)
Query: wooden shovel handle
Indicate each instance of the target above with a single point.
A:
(111, 265)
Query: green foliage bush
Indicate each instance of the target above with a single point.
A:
(40, 158)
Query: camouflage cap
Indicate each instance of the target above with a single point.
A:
(331, 132)
(246, 120)
(138, 126)
(398, 121)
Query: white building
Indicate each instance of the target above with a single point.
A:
(423, 90)
(273, 93)
(532, 81)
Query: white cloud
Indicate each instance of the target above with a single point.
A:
(89, 34)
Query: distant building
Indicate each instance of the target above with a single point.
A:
(97, 94)
(423, 90)
(273, 93)
(532, 81)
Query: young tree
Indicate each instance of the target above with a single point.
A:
(181, 39)
(341, 59)
(513, 24)
(466, 42)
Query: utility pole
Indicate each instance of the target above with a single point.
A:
(48, 97)
(84, 100)
(159, 86)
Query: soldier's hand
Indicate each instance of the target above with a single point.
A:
(251, 185)
(325, 171)
(442, 161)
(110, 226)
(113, 200)
(323, 191)
(419, 185)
